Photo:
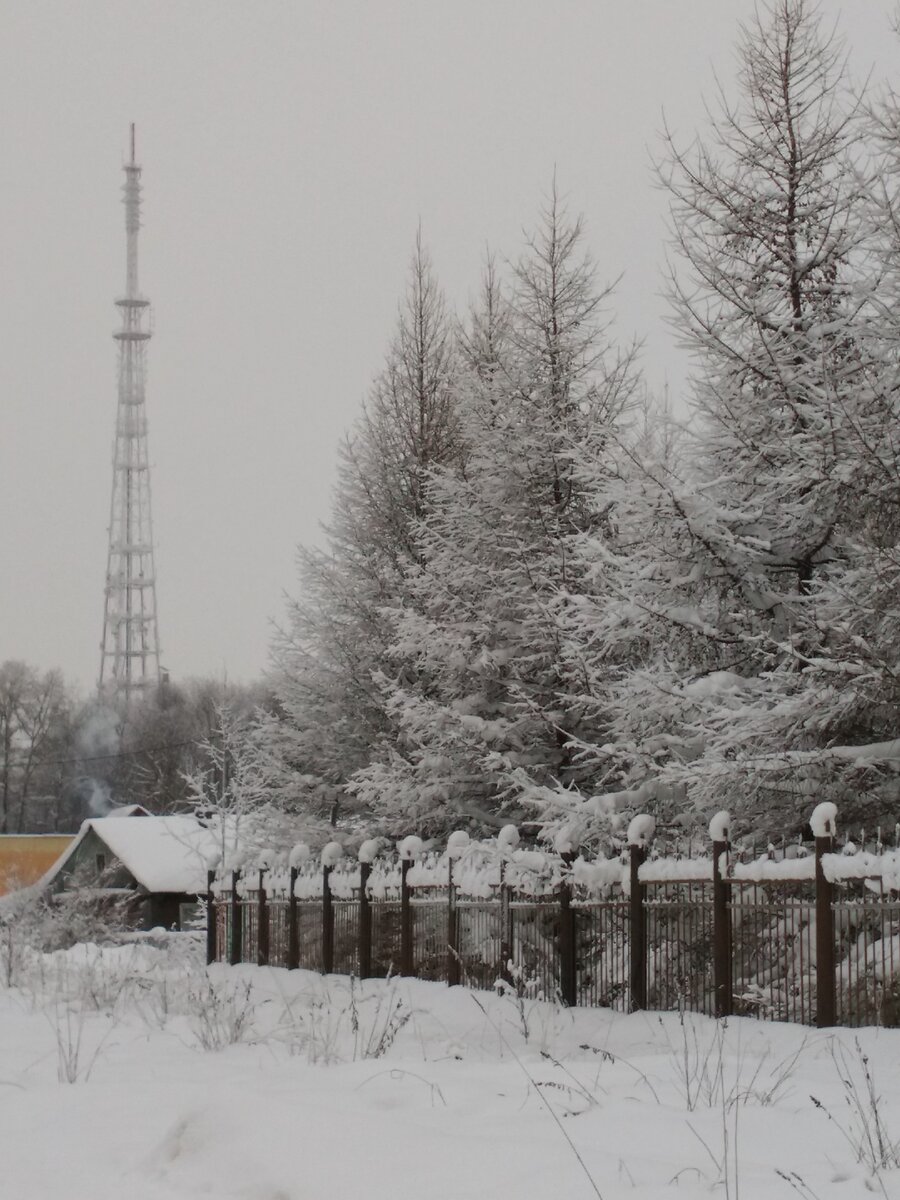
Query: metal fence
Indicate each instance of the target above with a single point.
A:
(707, 937)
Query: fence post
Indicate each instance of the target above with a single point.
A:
(637, 930)
(507, 841)
(235, 949)
(327, 923)
(721, 933)
(262, 922)
(453, 972)
(568, 965)
(506, 930)
(365, 922)
(826, 1008)
(457, 845)
(211, 925)
(293, 946)
(406, 928)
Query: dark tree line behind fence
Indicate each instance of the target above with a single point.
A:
(813, 939)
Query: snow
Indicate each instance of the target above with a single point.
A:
(508, 839)
(457, 843)
(432, 871)
(332, 852)
(384, 881)
(411, 848)
(864, 865)
(599, 876)
(369, 850)
(565, 840)
(641, 830)
(344, 882)
(823, 820)
(718, 683)
(665, 870)
(308, 884)
(720, 827)
(471, 1094)
(529, 882)
(476, 880)
(761, 869)
(299, 855)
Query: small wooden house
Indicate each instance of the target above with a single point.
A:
(160, 861)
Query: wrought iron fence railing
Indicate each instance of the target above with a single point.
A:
(812, 939)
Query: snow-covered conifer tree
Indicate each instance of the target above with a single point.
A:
(332, 646)
(718, 624)
(478, 684)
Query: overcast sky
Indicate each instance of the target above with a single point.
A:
(290, 147)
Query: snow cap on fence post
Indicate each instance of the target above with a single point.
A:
(410, 848)
(265, 858)
(823, 820)
(641, 830)
(213, 860)
(236, 859)
(299, 854)
(720, 827)
(566, 841)
(369, 850)
(331, 853)
(508, 839)
(457, 843)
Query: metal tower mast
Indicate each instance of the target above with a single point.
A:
(129, 660)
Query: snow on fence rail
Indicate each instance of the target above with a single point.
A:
(792, 935)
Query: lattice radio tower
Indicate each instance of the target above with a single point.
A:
(129, 660)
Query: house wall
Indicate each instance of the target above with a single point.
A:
(165, 910)
(92, 864)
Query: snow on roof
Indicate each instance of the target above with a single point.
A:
(129, 810)
(164, 854)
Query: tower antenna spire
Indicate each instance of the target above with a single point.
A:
(129, 652)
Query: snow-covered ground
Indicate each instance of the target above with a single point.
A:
(311, 1088)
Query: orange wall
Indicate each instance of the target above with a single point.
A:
(24, 858)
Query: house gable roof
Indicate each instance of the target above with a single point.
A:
(163, 854)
